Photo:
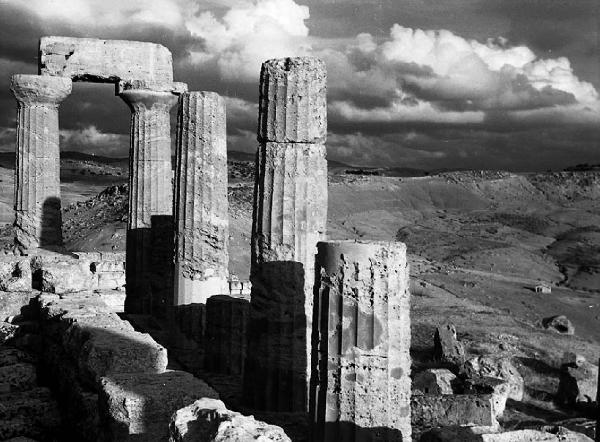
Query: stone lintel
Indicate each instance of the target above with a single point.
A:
(108, 61)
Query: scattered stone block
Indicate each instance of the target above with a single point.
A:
(209, 420)
(501, 368)
(139, 406)
(434, 381)
(574, 359)
(577, 384)
(434, 411)
(446, 346)
(66, 276)
(498, 388)
(7, 331)
(15, 275)
(559, 324)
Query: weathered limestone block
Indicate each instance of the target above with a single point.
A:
(15, 275)
(150, 187)
(139, 406)
(21, 376)
(66, 276)
(30, 413)
(577, 384)
(11, 303)
(361, 360)
(500, 390)
(293, 102)
(501, 368)
(446, 346)
(463, 434)
(105, 60)
(108, 351)
(289, 219)
(209, 420)
(435, 411)
(227, 319)
(201, 208)
(38, 219)
(434, 381)
(559, 324)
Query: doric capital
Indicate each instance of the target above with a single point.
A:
(40, 89)
(137, 98)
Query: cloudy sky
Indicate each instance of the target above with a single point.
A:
(495, 84)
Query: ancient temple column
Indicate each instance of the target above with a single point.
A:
(201, 208)
(360, 384)
(150, 191)
(38, 219)
(290, 214)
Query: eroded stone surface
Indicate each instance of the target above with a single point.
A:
(361, 375)
(201, 209)
(577, 384)
(501, 368)
(150, 197)
(435, 411)
(293, 102)
(139, 406)
(434, 381)
(446, 346)
(38, 219)
(105, 60)
(209, 420)
(15, 275)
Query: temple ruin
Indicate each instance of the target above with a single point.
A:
(316, 344)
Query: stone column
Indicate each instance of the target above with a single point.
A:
(38, 219)
(150, 189)
(290, 214)
(226, 321)
(360, 384)
(201, 208)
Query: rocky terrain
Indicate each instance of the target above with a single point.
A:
(479, 243)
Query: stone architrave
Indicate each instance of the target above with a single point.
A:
(360, 384)
(201, 209)
(150, 190)
(38, 220)
(290, 214)
(93, 59)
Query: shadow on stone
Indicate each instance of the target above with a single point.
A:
(276, 371)
(51, 233)
(352, 432)
(149, 268)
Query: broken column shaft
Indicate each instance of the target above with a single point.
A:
(201, 209)
(360, 384)
(150, 188)
(290, 214)
(38, 219)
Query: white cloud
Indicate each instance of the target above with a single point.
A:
(90, 139)
(437, 76)
(248, 34)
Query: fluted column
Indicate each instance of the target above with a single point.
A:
(38, 221)
(150, 191)
(360, 384)
(201, 207)
(290, 214)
